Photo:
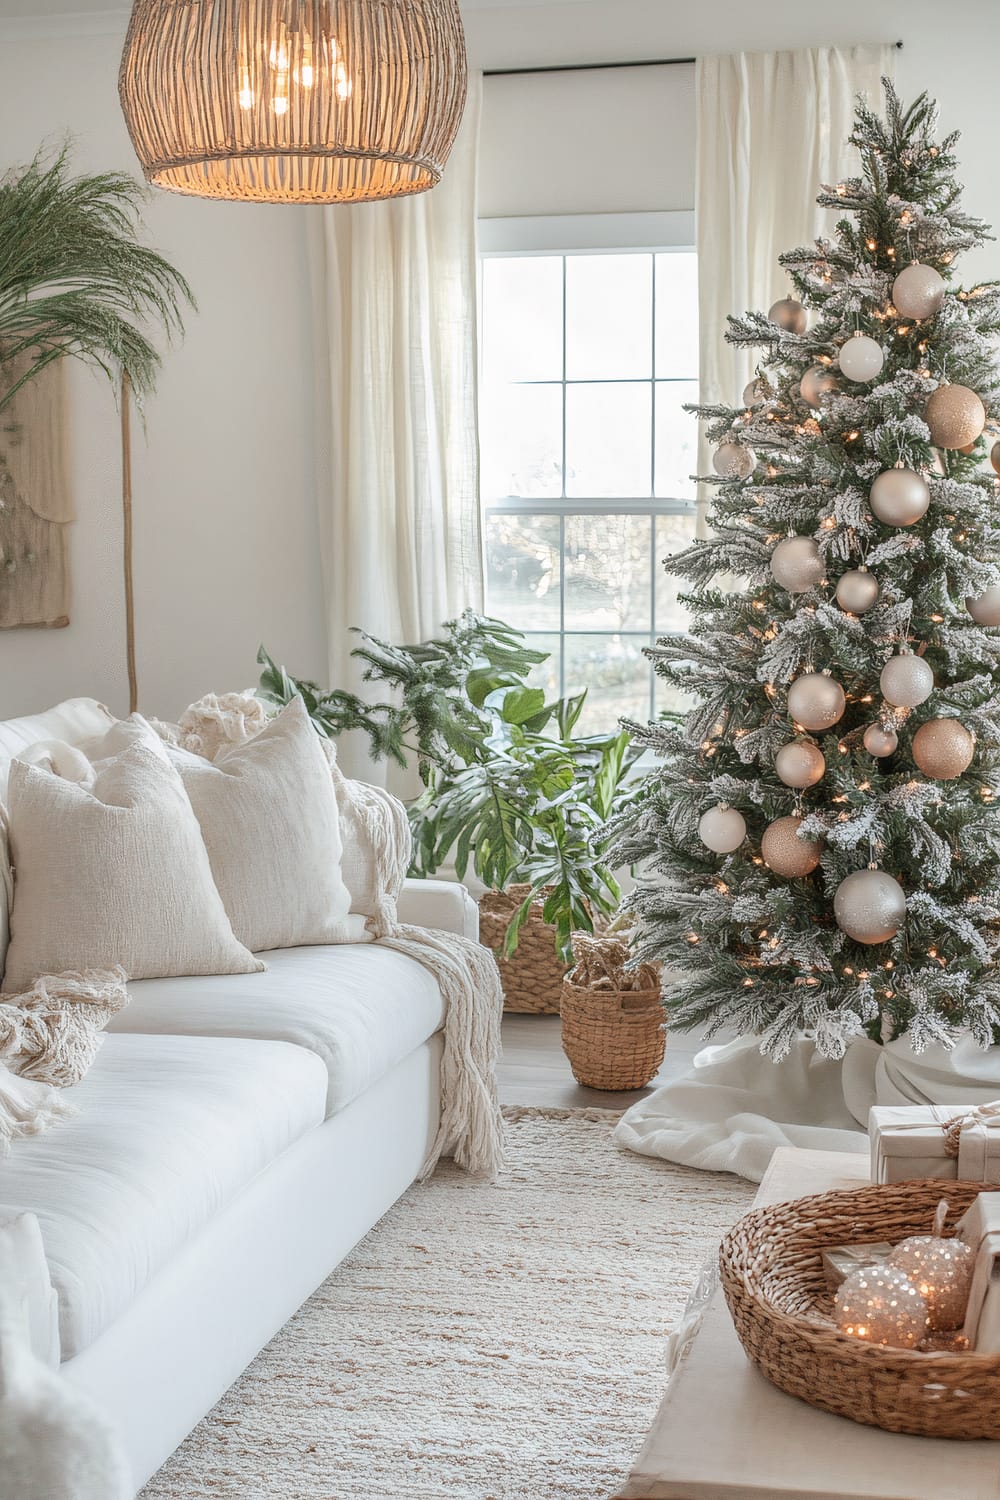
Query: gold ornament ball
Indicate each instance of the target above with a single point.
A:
(918, 291)
(943, 749)
(800, 763)
(857, 591)
(815, 701)
(816, 383)
(784, 852)
(861, 359)
(733, 461)
(899, 497)
(955, 415)
(995, 457)
(906, 681)
(869, 906)
(797, 564)
(880, 742)
(722, 829)
(788, 314)
(941, 1270)
(881, 1305)
(985, 609)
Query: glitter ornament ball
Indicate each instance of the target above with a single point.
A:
(784, 852)
(733, 461)
(815, 701)
(815, 383)
(899, 497)
(995, 457)
(985, 609)
(722, 829)
(788, 314)
(918, 291)
(906, 681)
(881, 1305)
(857, 591)
(955, 416)
(861, 359)
(870, 906)
(797, 564)
(943, 749)
(880, 742)
(941, 1270)
(799, 764)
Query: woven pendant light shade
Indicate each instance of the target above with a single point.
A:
(294, 101)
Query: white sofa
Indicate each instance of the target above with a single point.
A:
(234, 1140)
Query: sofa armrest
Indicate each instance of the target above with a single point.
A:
(30, 1302)
(443, 904)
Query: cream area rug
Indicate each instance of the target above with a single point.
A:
(501, 1341)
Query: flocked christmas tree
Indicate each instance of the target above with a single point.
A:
(820, 847)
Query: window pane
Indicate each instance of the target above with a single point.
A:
(546, 674)
(522, 570)
(616, 676)
(676, 439)
(608, 583)
(673, 534)
(522, 317)
(608, 440)
(677, 315)
(609, 317)
(521, 435)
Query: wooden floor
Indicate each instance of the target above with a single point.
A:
(534, 1069)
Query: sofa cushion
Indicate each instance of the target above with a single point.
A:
(361, 1008)
(168, 1131)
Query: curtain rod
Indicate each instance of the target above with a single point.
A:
(645, 62)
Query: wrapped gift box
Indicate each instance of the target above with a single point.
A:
(935, 1140)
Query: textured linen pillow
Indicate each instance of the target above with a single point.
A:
(268, 815)
(113, 874)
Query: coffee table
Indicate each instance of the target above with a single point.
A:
(723, 1432)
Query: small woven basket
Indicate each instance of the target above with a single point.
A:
(532, 979)
(774, 1284)
(612, 1017)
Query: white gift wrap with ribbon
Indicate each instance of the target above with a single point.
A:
(920, 1140)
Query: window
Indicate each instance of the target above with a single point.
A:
(587, 361)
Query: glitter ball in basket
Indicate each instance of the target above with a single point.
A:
(956, 1141)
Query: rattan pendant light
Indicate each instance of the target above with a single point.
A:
(294, 101)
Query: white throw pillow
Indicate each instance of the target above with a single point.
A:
(268, 815)
(113, 874)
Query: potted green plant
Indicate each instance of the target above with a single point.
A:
(508, 787)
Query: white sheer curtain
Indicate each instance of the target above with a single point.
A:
(772, 127)
(395, 287)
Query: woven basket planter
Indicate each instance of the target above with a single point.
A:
(614, 1039)
(774, 1284)
(532, 979)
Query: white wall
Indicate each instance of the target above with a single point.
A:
(226, 541)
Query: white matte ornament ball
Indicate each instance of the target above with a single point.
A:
(815, 701)
(787, 854)
(899, 497)
(943, 749)
(857, 591)
(722, 829)
(861, 359)
(881, 1305)
(733, 461)
(788, 314)
(906, 681)
(880, 742)
(941, 1270)
(985, 609)
(918, 291)
(955, 415)
(995, 457)
(870, 906)
(797, 564)
(815, 383)
(799, 764)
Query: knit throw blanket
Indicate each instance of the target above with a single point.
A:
(471, 1128)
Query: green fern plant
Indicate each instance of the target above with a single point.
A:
(74, 279)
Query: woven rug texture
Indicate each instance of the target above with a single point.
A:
(486, 1341)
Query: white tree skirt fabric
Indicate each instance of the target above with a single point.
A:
(735, 1108)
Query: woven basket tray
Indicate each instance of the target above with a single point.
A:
(532, 979)
(614, 1039)
(773, 1279)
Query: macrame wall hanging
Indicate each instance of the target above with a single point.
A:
(35, 501)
